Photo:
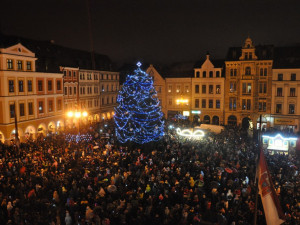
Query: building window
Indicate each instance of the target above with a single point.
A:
(22, 109)
(49, 85)
(41, 107)
(170, 101)
(40, 85)
(12, 110)
(197, 89)
(244, 104)
(29, 85)
(278, 108)
(58, 104)
(30, 108)
(10, 64)
(265, 72)
(246, 88)
(231, 72)
(196, 103)
(218, 105)
(75, 90)
(293, 77)
(261, 71)
(203, 103)
(232, 86)
(263, 88)
(50, 106)
(28, 65)
(248, 70)
(11, 86)
(218, 89)
(210, 103)
(19, 65)
(65, 73)
(204, 74)
(21, 86)
(262, 106)
(203, 89)
(291, 108)
(66, 91)
(70, 90)
(70, 73)
(211, 74)
(74, 74)
(232, 103)
(197, 74)
(210, 89)
(292, 92)
(279, 92)
(248, 104)
(246, 55)
(58, 85)
(280, 77)
(218, 74)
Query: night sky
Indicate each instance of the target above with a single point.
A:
(155, 31)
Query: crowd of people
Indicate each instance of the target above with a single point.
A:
(94, 180)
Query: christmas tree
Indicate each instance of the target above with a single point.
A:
(138, 117)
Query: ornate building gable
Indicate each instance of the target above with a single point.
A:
(17, 49)
(248, 50)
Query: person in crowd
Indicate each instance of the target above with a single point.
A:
(69, 179)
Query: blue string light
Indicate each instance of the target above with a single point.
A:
(138, 117)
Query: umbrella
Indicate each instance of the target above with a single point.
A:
(220, 169)
(228, 170)
(111, 188)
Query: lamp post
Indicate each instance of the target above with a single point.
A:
(78, 115)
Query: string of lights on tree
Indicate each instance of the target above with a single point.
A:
(138, 116)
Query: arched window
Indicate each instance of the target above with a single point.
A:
(218, 74)
(211, 73)
(204, 73)
(248, 70)
(197, 74)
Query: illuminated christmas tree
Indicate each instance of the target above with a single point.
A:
(138, 117)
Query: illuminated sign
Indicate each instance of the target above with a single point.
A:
(196, 112)
(278, 142)
(178, 101)
(284, 121)
(186, 113)
(189, 133)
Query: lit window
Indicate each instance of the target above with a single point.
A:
(28, 65)
(10, 64)
(20, 65)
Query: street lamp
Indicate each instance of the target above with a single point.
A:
(78, 115)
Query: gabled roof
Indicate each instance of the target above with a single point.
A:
(51, 56)
(263, 52)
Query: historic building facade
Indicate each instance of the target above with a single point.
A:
(208, 94)
(35, 99)
(109, 88)
(285, 111)
(248, 84)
